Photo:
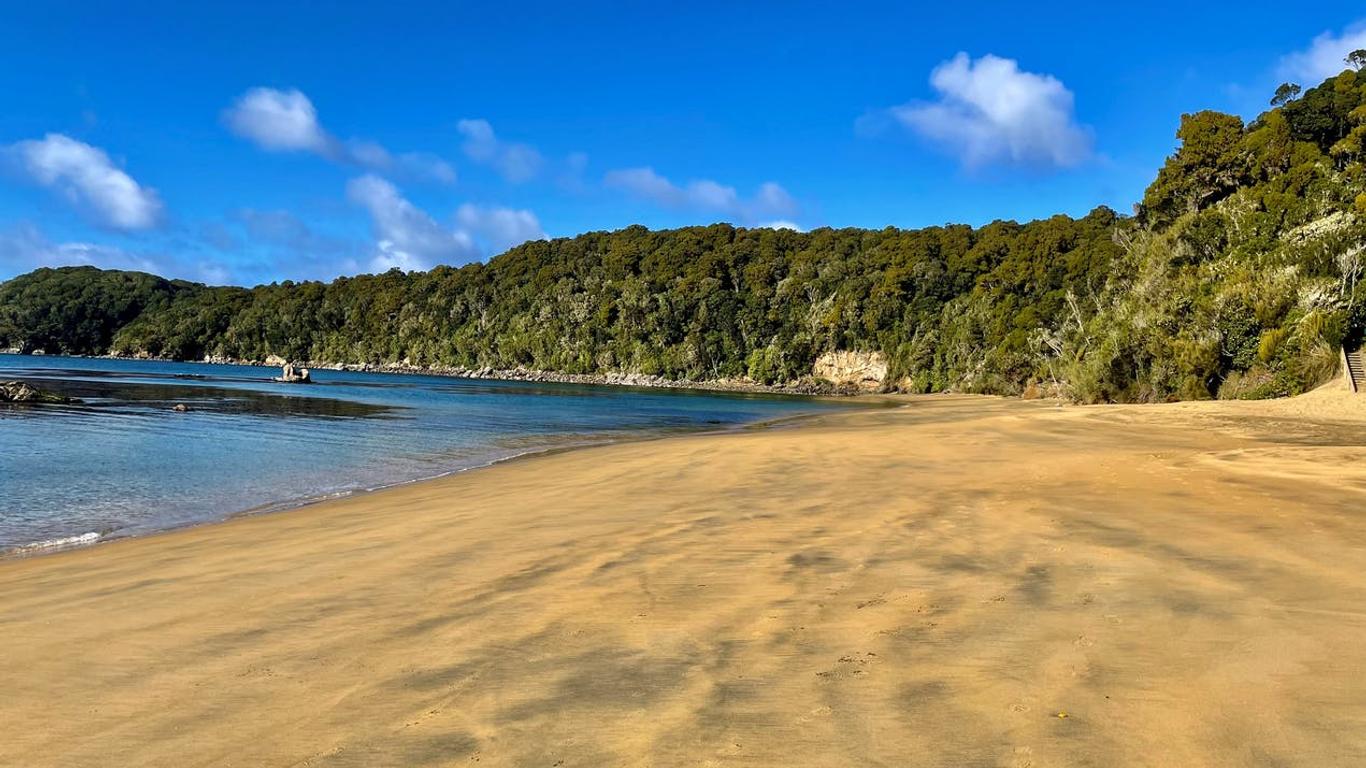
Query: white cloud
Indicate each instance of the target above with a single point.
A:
(703, 194)
(782, 224)
(516, 162)
(287, 121)
(774, 200)
(425, 165)
(500, 228)
(405, 236)
(214, 274)
(409, 238)
(88, 179)
(411, 165)
(1324, 56)
(644, 182)
(990, 111)
(368, 153)
(279, 121)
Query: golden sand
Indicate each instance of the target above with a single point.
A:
(958, 582)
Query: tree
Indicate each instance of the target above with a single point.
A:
(1211, 162)
(1356, 59)
(1286, 92)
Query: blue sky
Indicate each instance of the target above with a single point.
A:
(260, 141)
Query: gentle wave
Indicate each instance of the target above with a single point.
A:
(49, 545)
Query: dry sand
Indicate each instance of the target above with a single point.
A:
(959, 582)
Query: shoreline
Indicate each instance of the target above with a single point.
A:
(809, 387)
(90, 539)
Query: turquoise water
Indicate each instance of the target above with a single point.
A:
(123, 462)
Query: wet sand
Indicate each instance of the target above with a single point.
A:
(960, 582)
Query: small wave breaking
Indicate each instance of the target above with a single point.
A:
(48, 545)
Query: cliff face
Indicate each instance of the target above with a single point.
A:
(864, 370)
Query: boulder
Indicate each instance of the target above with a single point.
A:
(291, 375)
(20, 392)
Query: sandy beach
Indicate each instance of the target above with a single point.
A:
(957, 582)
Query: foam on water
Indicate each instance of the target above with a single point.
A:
(48, 545)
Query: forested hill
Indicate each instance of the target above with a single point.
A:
(1237, 277)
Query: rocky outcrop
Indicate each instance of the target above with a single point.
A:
(292, 375)
(20, 392)
(865, 371)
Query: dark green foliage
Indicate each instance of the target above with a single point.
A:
(1245, 279)
(1320, 115)
(696, 303)
(77, 310)
(1211, 163)
(1284, 93)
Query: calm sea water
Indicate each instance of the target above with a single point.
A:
(123, 462)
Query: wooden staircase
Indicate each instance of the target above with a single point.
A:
(1356, 369)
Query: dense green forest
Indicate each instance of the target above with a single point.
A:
(1237, 276)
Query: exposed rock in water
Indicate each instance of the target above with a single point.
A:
(181, 408)
(864, 370)
(292, 375)
(20, 392)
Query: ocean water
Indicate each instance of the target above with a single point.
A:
(123, 462)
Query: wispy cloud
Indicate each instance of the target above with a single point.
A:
(405, 236)
(989, 111)
(278, 244)
(89, 180)
(499, 228)
(515, 162)
(571, 178)
(284, 229)
(409, 238)
(770, 201)
(286, 121)
(1324, 57)
(25, 247)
